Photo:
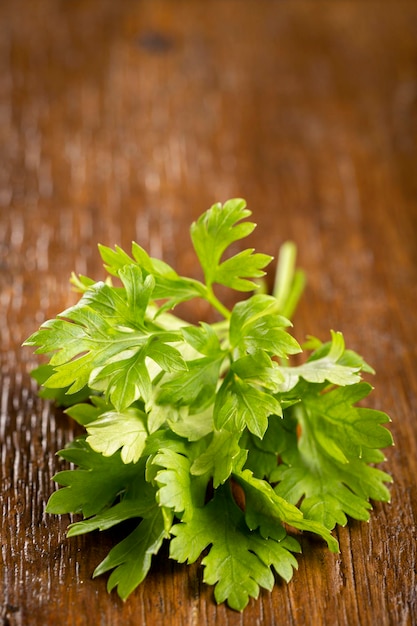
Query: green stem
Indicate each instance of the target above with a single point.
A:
(289, 281)
(215, 302)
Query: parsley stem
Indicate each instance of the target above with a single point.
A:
(215, 302)
(289, 281)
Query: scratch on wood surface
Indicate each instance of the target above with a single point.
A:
(195, 618)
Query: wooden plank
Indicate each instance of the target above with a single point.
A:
(124, 121)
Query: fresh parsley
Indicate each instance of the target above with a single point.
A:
(208, 436)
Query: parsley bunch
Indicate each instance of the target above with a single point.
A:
(206, 435)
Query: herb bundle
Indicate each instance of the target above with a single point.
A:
(207, 435)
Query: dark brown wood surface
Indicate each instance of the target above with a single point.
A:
(123, 121)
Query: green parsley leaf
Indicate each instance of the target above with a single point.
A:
(130, 559)
(258, 369)
(191, 426)
(238, 562)
(174, 481)
(328, 467)
(138, 501)
(222, 456)
(60, 394)
(168, 285)
(266, 509)
(195, 387)
(207, 435)
(256, 325)
(125, 431)
(326, 368)
(92, 487)
(239, 405)
(213, 233)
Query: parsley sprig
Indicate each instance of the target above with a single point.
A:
(207, 435)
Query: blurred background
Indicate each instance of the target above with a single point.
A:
(125, 120)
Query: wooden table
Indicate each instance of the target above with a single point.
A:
(125, 120)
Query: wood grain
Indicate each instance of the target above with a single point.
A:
(123, 121)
